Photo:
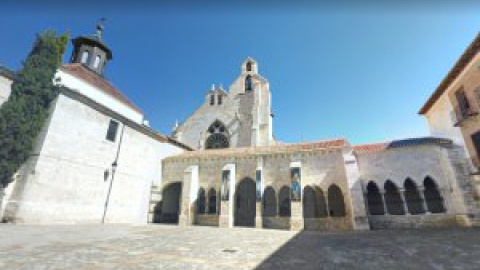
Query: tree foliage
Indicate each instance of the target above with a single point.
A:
(23, 116)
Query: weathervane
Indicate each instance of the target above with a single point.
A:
(100, 28)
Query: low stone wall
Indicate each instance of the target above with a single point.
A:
(328, 224)
(207, 220)
(282, 223)
(415, 221)
(311, 224)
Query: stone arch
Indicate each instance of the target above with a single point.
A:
(374, 199)
(201, 201)
(393, 200)
(412, 198)
(171, 202)
(284, 202)
(269, 202)
(245, 203)
(433, 198)
(249, 66)
(218, 136)
(212, 201)
(309, 203)
(336, 202)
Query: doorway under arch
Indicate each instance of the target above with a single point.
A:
(170, 207)
(245, 203)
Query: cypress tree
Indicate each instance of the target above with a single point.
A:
(24, 114)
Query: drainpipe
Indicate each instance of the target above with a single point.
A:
(114, 168)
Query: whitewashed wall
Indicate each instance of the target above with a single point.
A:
(66, 184)
(5, 89)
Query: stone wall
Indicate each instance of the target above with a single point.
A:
(320, 168)
(207, 220)
(246, 115)
(417, 163)
(415, 221)
(68, 177)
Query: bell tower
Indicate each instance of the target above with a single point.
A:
(91, 52)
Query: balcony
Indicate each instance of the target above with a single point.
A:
(460, 114)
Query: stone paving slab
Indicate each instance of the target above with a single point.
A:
(92, 247)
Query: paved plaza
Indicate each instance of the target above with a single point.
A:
(91, 247)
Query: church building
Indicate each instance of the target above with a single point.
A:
(97, 160)
(96, 157)
(239, 175)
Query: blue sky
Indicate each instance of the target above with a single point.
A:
(358, 72)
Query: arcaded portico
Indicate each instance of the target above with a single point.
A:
(239, 175)
(284, 186)
(326, 186)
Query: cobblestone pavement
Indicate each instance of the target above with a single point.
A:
(91, 247)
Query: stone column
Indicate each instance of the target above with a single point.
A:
(189, 196)
(226, 207)
(422, 197)
(356, 204)
(258, 215)
(296, 219)
(384, 202)
(404, 202)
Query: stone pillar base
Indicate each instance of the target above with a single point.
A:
(296, 224)
(183, 221)
(258, 222)
(361, 224)
(224, 222)
(258, 215)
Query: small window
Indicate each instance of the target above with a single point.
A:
(476, 142)
(249, 66)
(85, 56)
(220, 99)
(248, 84)
(463, 103)
(212, 100)
(96, 62)
(112, 131)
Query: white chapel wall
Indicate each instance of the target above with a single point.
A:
(5, 89)
(67, 183)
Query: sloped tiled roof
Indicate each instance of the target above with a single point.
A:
(459, 66)
(378, 147)
(255, 150)
(90, 77)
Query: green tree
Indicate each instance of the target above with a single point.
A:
(23, 116)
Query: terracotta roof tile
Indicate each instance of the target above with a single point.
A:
(83, 73)
(378, 147)
(279, 148)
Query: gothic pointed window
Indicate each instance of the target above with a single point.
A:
(248, 83)
(217, 136)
